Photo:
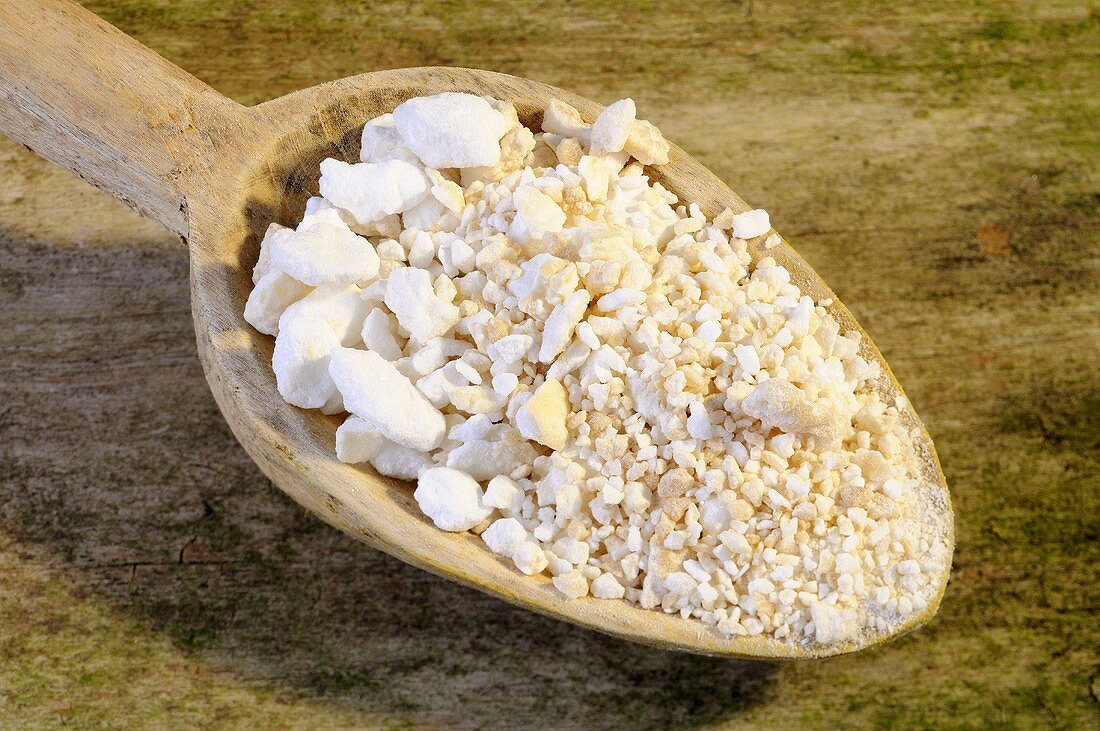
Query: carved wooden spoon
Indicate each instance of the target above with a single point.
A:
(87, 97)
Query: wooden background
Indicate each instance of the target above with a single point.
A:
(936, 161)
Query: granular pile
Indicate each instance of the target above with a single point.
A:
(595, 377)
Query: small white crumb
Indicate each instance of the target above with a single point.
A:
(561, 323)
(452, 499)
(646, 144)
(562, 119)
(309, 330)
(400, 462)
(377, 392)
(750, 224)
(412, 298)
(268, 300)
(536, 216)
(613, 126)
(529, 558)
(606, 586)
(372, 191)
(451, 130)
(378, 335)
(325, 253)
(572, 584)
(832, 624)
(542, 417)
(357, 440)
(504, 536)
(381, 141)
(502, 492)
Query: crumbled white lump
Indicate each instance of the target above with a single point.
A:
(595, 377)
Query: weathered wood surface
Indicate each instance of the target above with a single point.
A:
(84, 95)
(946, 191)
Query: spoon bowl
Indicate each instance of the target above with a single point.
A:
(84, 95)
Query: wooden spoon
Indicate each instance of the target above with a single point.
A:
(87, 97)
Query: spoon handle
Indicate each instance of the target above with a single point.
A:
(86, 96)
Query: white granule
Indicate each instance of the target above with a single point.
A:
(596, 376)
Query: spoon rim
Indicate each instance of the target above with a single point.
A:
(293, 447)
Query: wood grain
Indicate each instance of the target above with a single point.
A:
(87, 97)
(151, 577)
